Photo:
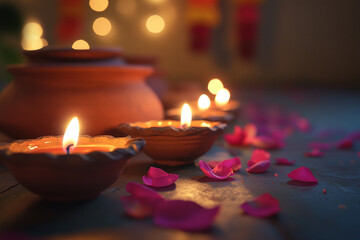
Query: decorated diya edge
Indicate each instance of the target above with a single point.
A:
(132, 129)
(74, 160)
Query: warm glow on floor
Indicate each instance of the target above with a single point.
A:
(155, 24)
(102, 26)
(98, 5)
(80, 45)
(215, 85)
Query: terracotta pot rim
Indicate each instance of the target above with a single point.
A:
(124, 151)
(136, 129)
(59, 54)
(81, 68)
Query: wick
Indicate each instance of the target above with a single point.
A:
(183, 126)
(68, 148)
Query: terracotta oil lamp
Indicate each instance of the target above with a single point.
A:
(95, 84)
(69, 168)
(171, 142)
(202, 109)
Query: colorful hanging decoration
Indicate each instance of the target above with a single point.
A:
(71, 20)
(247, 18)
(203, 16)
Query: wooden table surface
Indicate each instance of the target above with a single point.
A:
(306, 213)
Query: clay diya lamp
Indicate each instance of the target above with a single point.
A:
(175, 143)
(222, 97)
(69, 168)
(202, 110)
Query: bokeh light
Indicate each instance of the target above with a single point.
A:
(102, 26)
(155, 24)
(98, 5)
(215, 85)
(222, 97)
(80, 45)
(32, 29)
(32, 33)
(204, 102)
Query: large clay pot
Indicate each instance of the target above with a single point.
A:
(95, 85)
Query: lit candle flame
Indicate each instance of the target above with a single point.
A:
(185, 116)
(222, 97)
(71, 136)
(215, 85)
(204, 102)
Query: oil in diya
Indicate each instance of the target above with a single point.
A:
(70, 143)
(59, 169)
(172, 142)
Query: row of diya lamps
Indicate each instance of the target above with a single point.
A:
(101, 87)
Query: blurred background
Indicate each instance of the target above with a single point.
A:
(267, 43)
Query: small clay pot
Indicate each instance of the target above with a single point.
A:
(168, 144)
(68, 177)
(57, 84)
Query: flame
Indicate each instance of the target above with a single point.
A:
(185, 116)
(215, 85)
(222, 97)
(71, 135)
(204, 102)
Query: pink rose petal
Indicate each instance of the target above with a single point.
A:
(241, 137)
(345, 144)
(258, 156)
(268, 142)
(236, 138)
(219, 172)
(259, 161)
(284, 161)
(185, 215)
(303, 124)
(302, 174)
(259, 167)
(233, 163)
(142, 202)
(262, 207)
(314, 153)
(159, 178)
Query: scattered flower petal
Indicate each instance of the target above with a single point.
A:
(324, 191)
(185, 215)
(303, 124)
(233, 163)
(345, 144)
(142, 202)
(284, 161)
(219, 172)
(241, 137)
(268, 142)
(262, 207)
(314, 153)
(276, 175)
(259, 167)
(258, 156)
(302, 174)
(259, 161)
(159, 178)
